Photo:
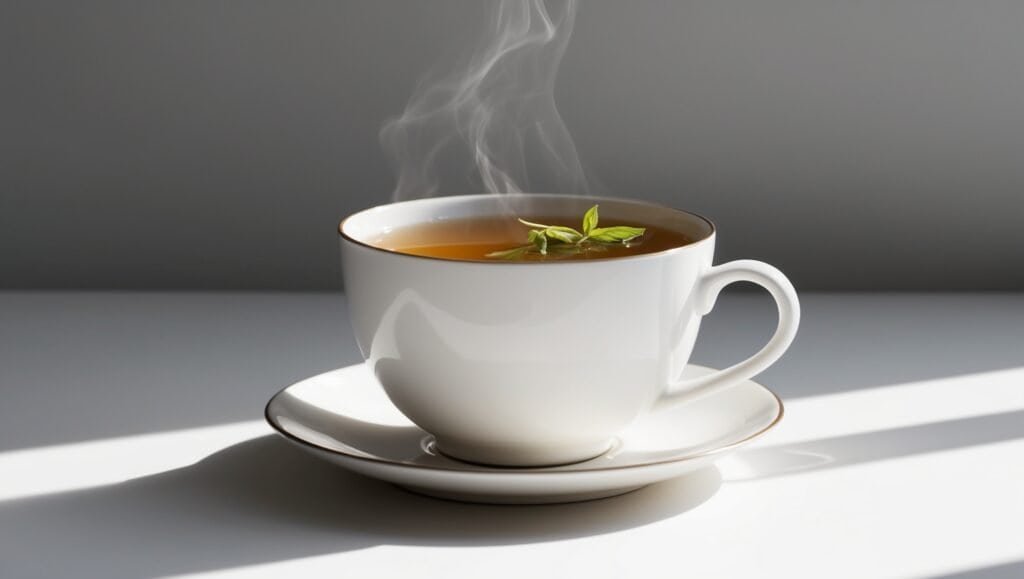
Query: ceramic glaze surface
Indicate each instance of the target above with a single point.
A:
(528, 364)
(344, 417)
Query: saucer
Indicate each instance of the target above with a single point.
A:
(343, 416)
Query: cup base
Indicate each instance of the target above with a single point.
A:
(513, 456)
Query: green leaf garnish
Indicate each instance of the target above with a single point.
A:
(563, 234)
(589, 220)
(557, 232)
(621, 233)
(539, 240)
(562, 240)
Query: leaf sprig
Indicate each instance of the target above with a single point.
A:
(562, 240)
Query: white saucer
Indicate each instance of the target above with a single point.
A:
(344, 416)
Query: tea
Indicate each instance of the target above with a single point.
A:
(477, 238)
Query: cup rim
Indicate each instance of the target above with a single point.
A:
(569, 262)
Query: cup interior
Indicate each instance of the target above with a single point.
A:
(372, 226)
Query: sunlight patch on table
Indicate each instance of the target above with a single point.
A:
(900, 405)
(66, 467)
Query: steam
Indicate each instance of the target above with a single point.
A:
(492, 124)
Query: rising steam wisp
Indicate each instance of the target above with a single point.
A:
(492, 125)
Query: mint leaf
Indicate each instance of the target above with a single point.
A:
(540, 240)
(589, 220)
(563, 234)
(567, 241)
(621, 233)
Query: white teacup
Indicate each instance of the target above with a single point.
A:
(540, 363)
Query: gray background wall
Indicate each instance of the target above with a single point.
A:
(876, 144)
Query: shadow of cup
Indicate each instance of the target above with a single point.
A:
(261, 501)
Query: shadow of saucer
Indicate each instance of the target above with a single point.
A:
(261, 501)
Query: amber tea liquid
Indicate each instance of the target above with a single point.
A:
(473, 238)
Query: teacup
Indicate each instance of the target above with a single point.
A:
(541, 363)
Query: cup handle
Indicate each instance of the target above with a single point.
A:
(705, 294)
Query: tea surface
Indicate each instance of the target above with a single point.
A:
(472, 239)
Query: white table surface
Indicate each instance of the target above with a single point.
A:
(132, 445)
